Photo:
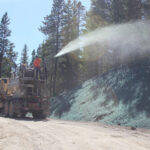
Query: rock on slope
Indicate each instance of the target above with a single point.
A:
(121, 96)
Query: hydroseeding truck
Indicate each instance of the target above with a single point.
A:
(24, 93)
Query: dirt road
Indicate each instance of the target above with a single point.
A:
(63, 135)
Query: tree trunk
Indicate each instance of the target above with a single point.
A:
(51, 82)
(1, 59)
(0, 69)
(56, 60)
(55, 66)
(55, 77)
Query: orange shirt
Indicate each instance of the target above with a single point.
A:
(37, 62)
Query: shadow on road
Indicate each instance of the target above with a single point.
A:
(32, 119)
(28, 119)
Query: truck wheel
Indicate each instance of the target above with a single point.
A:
(11, 109)
(35, 115)
(39, 115)
(23, 114)
(6, 109)
(44, 114)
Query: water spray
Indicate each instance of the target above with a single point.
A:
(128, 38)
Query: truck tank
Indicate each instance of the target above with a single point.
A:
(24, 94)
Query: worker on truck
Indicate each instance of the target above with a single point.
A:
(37, 63)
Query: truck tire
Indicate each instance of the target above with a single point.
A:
(43, 115)
(11, 110)
(35, 115)
(6, 109)
(23, 114)
(39, 115)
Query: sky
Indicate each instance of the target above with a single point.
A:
(26, 17)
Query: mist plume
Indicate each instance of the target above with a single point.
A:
(132, 37)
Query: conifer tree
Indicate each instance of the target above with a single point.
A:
(126, 10)
(101, 8)
(118, 11)
(69, 65)
(24, 58)
(11, 58)
(133, 9)
(4, 42)
(98, 16)
(52, 28)
(146, 9)
(33, 56)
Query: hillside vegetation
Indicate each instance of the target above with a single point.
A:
(120, 96)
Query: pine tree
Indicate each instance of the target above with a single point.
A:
(126, 10)
(46, 52)
(69, 65)
(11, 58)
(118, 11)
(65, 68)
(98, 16)
(33, 56)
(133, 9)
(146, 9)
(52, 28)
(24, 58)
(78, 16)
(101, 8)
(9, 63)
(4, 42)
